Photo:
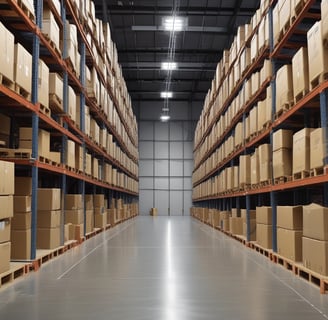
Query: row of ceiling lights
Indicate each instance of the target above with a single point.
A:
(171, 24)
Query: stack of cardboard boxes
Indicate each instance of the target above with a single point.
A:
(264, 227)
(74, 215)
(25, 141)
(100, 211)
(21, 222)
(89, 213)
(252, 224)
(49, 218)
(236, 222)
(289, 232)
(7, 176)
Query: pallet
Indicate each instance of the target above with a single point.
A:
(298, 97)
(313, 277)
(318, 80)
(284, 262)
(317, 172)
(24, 8)
(16, 270)
(264, 251)
(301, 175)
(297, 10)
(55, 104)
(45, 110)
(265, 183)
(16, 153)
(284, 109)
(6, 82)
(281, 180)
(22, 92)
(266, 126)
(52, 44)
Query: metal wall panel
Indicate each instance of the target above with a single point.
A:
(161, 183)
(161, 131)
(176, 183)
(161, 150)
(188, 150)
(176, 168)
(176, 150)
(176, 131)
(162, 202)
(176, 203)
(147, 201)
(187, 202)
(161, 168)
(146, 149)
(146, 130)
(188, 167)
(146, 168)
(146, 183)
(187, 183)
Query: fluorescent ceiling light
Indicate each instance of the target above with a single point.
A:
(169, 65)
(165, 117)
(166, 94)
(174, 23)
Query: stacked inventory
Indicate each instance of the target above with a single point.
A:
(100, 211)
(82, 135)
(261, 139)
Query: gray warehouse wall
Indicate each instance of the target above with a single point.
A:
(166, 157)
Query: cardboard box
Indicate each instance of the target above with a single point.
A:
(70, 155)
(317, 148)
(71, 104)
(66, 232)
(324, 22)
(290, 217)
(55, 156)
(100, 220)
(252, 231)
(315, 255)
(76, 231)
(255, 168)
(264, 215)
(22, 203)
(284, 8)
(243, 214)
(74, 216)
(21, 244)
(111, 213)
(225, 224)
(88, 164)
(56, 87)
(49, 219)
(5, 256)
(89, 220)
(264, 235)
(7, 171)
(236, 225)
(244, 170)
(282, 163)
(282, 139)
(48, 238)
(78, 157)
(289, 244)
(43, 84)
(4, 230)
(301, 150)
(7, 50)
(21, 221)
(88, 201)
(300, 68)
(25, 141)
(7, 207)
(51, 29)
(284, 82)
(49, 199)
(99, 200)
(73, 201)
(23, 186)
(317, 52)
(265, 162)
(315, 222)
(23, 68)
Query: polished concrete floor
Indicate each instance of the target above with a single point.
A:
(162, 269)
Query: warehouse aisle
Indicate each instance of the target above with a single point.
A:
(165, 269)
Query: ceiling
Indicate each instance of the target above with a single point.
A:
(142, 44)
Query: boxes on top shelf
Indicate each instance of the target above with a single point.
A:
(276, 26)
(317, 148)
(284, 11)
(43, 84)
(23, 69)
(282, 139)
(300, 73)
(284, 86)
(50, 27)
(49, 199)
(264, 235)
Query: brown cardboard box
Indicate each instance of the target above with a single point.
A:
(56, 86)
(282, 139)
(7, 53)
(25, 141)
(89, 220)
(49, 199)
(88, 169)
(95, 168)
(284, 7)
(315, 255)
(70, 156)
(66, 232)
(301, 150)
(76, 231)
(99, 200)
(55, 156)
(4, 256)
(244, 170)
(22, 203)
(236, 225)
(111, 216)
(88, 201)
(78, 157)
(235, 213)
(73, 201)
(74, 216)
(252, 232)
(264, 215)
(276, 27)
(49, 219)
(21, 221)
(290, 217)
(48, 238)
(317, 148)
(4, 230)
(255, 168)
(324, 22)
(71, 103)
(284, 81)
(23, 186)
(254, 47)
(318, 53)
(264, 235)
(265, 162)
(101, 210)
(243, 214)
(300, 67)
(289, 244)
(23, 68)
(225, 224)
(100, 220)
(253, 120)
(51, 29)
(43, 84)
(315, 222)
(21, 244)
(7, 207)
(7, 170)
(282, 163)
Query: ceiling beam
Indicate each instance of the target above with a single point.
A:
(217, 30)
(163, 50)
(173, 81)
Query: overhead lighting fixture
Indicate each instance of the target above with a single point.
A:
(174, 23)
(169, 65)
(166, 94)
(165, 117)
